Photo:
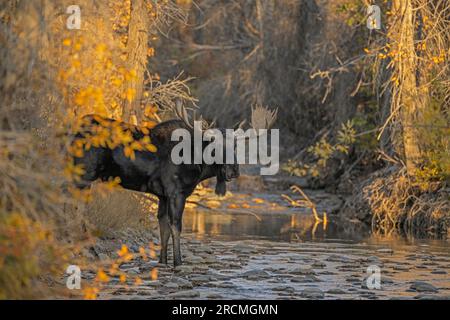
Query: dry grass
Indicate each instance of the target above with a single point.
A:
(392, 201)
(120, 210)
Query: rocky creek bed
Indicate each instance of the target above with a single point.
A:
(277, 253)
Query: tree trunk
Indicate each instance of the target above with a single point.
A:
(409, 97)
(137, 48)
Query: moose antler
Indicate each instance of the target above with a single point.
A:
(182, 114)
(262, 117)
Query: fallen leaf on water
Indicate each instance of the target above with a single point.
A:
(213, 204)
(258, 200)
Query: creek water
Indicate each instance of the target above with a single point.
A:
(288, 255)
(254, 246)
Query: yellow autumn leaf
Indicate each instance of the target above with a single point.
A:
(123, 251)
(129, 152)
(102, 276)
(90, 293)
(154, 274)
(151, 148)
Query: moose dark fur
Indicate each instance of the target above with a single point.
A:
(153, 172)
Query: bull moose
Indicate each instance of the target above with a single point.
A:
(154, 172)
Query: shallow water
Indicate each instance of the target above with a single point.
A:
(293, 227)
(272, 251)
(335, 257)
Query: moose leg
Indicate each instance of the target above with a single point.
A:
(164, 228)
(176, 207)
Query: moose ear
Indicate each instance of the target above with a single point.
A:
(221, 187)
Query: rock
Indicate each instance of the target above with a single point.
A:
(171, 285)
(256, 274)
(336, 291)
(198, 279)
(312, 293)
(226, 284)
(303, 271)
(210, 260)
(338, 258)
(439, 272)
(214, 296)
(374, 260)
(402, 267)
(184, 294)
(319, 264)
(133, 270)
(305, 279)
(421, 286)
(386, 251)
(145, 292)
(182, 283)
(284, 289)
(244, 248)
(184, 269)
(353, 279)
(195, 259)
(153, 283)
